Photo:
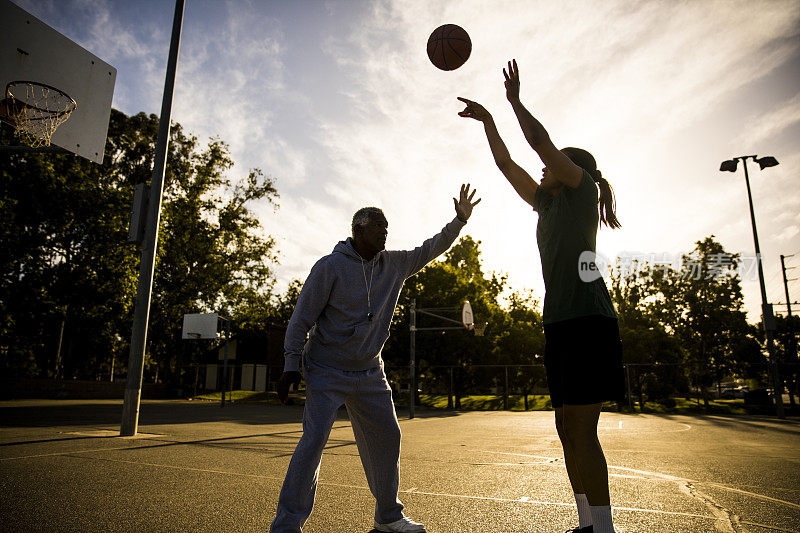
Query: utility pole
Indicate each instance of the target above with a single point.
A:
(141, 311)
(792, 338)
(413, 362)
(786, 283)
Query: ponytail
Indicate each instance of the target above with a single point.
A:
(607, 203)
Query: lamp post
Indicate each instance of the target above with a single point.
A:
(767, 317)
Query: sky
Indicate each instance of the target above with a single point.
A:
(338, 102)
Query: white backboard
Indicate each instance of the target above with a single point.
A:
(466, 316)
(30, 50)
(200, 326)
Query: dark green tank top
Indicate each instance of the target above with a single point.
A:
(566, 235)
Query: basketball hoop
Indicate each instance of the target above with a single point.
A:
(466, 316)
(35, 110)
(479, 329)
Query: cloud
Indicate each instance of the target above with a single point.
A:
(627, 80)
(339, 103)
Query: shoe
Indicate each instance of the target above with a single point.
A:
(404, 525)
(587, 529)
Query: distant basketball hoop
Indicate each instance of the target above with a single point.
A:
(200, 325)
(467, 317)
(35, 110)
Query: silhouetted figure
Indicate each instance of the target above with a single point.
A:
(346, 307)
(583, 352)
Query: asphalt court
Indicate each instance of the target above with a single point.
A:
(194, 466)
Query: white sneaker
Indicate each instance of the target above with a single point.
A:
(404, 525)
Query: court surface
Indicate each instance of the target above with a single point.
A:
(197, 467)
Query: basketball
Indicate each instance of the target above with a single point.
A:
(449, 47)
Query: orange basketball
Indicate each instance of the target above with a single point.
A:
(449, 47)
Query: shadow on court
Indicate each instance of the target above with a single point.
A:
(47, 413)
(197, 467)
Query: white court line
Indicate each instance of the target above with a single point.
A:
(412, 490)
(659, 475)
(69, 453)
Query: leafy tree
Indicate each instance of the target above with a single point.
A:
(63, 264)
(447, 283)
(63, 221)
(522, 342)
(653, 354)
(709, 317)
(786, 332)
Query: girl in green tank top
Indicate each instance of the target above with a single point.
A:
(583, 353)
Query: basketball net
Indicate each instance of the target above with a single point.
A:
(35, 110)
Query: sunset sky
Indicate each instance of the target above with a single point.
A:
(338, 101)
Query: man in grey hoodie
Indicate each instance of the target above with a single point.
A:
(338, 327)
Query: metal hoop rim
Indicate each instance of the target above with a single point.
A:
(72, 108)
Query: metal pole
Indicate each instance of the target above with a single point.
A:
(60, 342)
(786, 286)
(141, 313)
(628, 384)
(505, 391)
(412, 364)
(766, 310)
(450, 399)
(792, 340)
(225, 361)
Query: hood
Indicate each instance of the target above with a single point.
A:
(346, 247)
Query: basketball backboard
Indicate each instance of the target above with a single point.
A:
(32, 51)
(200, 325)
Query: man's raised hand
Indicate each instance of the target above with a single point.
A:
(512, 81)
(474, 110)
(465, 204)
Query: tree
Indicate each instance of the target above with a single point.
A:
(786, 351)
(522, 342)
(710, 320)
(652, 353)
(65, 221)
(447, 283)
(63, 266)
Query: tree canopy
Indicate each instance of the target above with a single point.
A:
(65, 263)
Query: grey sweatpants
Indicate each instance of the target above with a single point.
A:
(368, 399)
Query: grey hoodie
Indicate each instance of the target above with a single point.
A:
(332, 308)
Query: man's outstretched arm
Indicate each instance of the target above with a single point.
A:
(420, 256)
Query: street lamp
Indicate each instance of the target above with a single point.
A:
(767, 317)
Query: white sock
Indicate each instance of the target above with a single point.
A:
(601, 518)
(584, 515)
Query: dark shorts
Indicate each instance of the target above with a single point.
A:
(583, 358)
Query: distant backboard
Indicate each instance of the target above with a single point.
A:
(31, 50)
(200, 326)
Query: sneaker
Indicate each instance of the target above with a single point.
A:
(404, 525)
(587, 529)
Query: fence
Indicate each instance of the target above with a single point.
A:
(643, 382)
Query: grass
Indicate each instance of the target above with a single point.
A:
(491, 402)
(241, 396)
(487, 402)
